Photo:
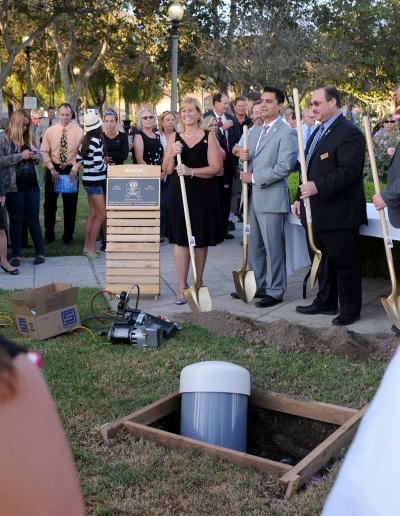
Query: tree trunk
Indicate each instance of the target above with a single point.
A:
(10, 109)
(349, 107)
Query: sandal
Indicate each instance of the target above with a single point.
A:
(180, 301)
(93, 257)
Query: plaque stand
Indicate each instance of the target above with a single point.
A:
(133, 228)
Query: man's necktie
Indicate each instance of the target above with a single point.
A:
(316, 139)
(50, 122)
(308, 134)
(262, 136)
(224, 132)
(63, 149)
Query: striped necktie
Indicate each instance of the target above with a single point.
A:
(63, 149)
(316, 139)
(308, 134)
(262, 136)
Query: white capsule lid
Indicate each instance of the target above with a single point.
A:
(215, 376)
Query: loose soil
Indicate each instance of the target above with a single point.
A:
(338, 340)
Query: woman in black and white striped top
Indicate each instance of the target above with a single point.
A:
(91, 155)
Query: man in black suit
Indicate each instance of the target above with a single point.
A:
(335, 160)
(390, 196)
(229, 135)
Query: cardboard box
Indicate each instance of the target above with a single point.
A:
(47, 311)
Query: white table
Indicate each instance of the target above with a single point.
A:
(297, 255)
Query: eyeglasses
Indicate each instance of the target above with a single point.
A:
(213, 125)
(316, 103)
(308, 116)
(389, 122)
(150, 117)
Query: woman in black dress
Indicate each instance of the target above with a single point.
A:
(147, 144)
(116, 142)
(201, 162)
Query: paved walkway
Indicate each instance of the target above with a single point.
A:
(222, 260)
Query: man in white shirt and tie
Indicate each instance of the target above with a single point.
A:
(308, 126)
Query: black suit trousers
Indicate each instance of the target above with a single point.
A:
(340, 274)
(70, 202)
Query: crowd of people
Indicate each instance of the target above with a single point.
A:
(212, 153)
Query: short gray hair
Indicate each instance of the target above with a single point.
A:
(140, 116)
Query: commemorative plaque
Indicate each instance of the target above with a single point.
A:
(133, 193)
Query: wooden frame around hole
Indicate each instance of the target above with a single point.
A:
(291, 478)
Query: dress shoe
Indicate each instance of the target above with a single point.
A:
(239, 216)
(313, 310)
(15, 262)
(48, 240)
(38, 260)
(231, 226)
(67, 242)
(345, 320)
(228, 236)
(268, 301)
(12, 273)
(259, 296)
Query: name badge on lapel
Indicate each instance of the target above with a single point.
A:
(324, 156)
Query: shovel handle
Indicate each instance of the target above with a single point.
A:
(303, 169)
(245, 194)
(381, 212)
(187, 221)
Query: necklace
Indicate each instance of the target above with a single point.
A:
(194, 134)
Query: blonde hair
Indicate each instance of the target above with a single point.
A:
(207, 121)
(166, 113)
(192, 102)
(14, 129)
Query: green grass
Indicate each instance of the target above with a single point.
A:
(93, 382)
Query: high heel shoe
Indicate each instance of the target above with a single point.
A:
(12, 273)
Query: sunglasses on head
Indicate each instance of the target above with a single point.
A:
(150, 117)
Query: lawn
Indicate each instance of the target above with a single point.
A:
(93, 382)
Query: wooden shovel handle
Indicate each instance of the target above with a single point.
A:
(245, 192)
(187, 221)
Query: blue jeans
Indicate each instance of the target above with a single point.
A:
(24, 206)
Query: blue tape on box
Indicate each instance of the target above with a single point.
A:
(65, 185)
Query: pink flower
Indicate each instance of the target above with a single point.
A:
(391, 151)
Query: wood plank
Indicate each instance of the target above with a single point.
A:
(133, 230)
(116, 288)
(130, 256)
(141, 280)
(309, 409)
(136, 222)
(324, 452)
(112, 271)
(112, 265)
(130, 170)
(173, 441)
(146, 415)
(129, 246)
(149, 214)
(132, 238)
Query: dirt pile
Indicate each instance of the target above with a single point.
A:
(338, 341)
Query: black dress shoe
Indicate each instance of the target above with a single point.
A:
(259, 296)
(313, 310)
(231, 226)
(228, 236)
(38, 260)
(268, 301)
(67, 242)
(48, 240)
(345, 320)
(15, 262)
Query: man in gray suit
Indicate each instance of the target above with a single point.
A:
(44, 124)
(272, 155)
(390, 196)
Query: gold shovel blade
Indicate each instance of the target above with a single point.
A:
(316, 267)
(245, 284)
(199, 300)
(392, 306)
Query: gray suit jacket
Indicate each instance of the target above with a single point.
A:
(42, 127)
(271, 166)
(391, 194)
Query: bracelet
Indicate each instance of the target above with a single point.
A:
(191, 177)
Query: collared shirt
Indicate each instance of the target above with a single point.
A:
(304, 129)
(50, 147)
(329, 122)
(223, 120)
(270, 125)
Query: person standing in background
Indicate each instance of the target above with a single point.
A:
(44, 124)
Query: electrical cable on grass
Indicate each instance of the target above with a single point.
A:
(8, 318)
(94, 297)
(84, 328)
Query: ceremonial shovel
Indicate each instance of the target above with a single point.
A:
(198, 298)
(318, 255)
(245, 282)
(392, 303)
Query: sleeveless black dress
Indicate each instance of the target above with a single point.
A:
(153, 151)
(203, 201)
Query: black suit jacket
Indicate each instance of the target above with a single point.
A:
(336, 167)
(233, 136)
